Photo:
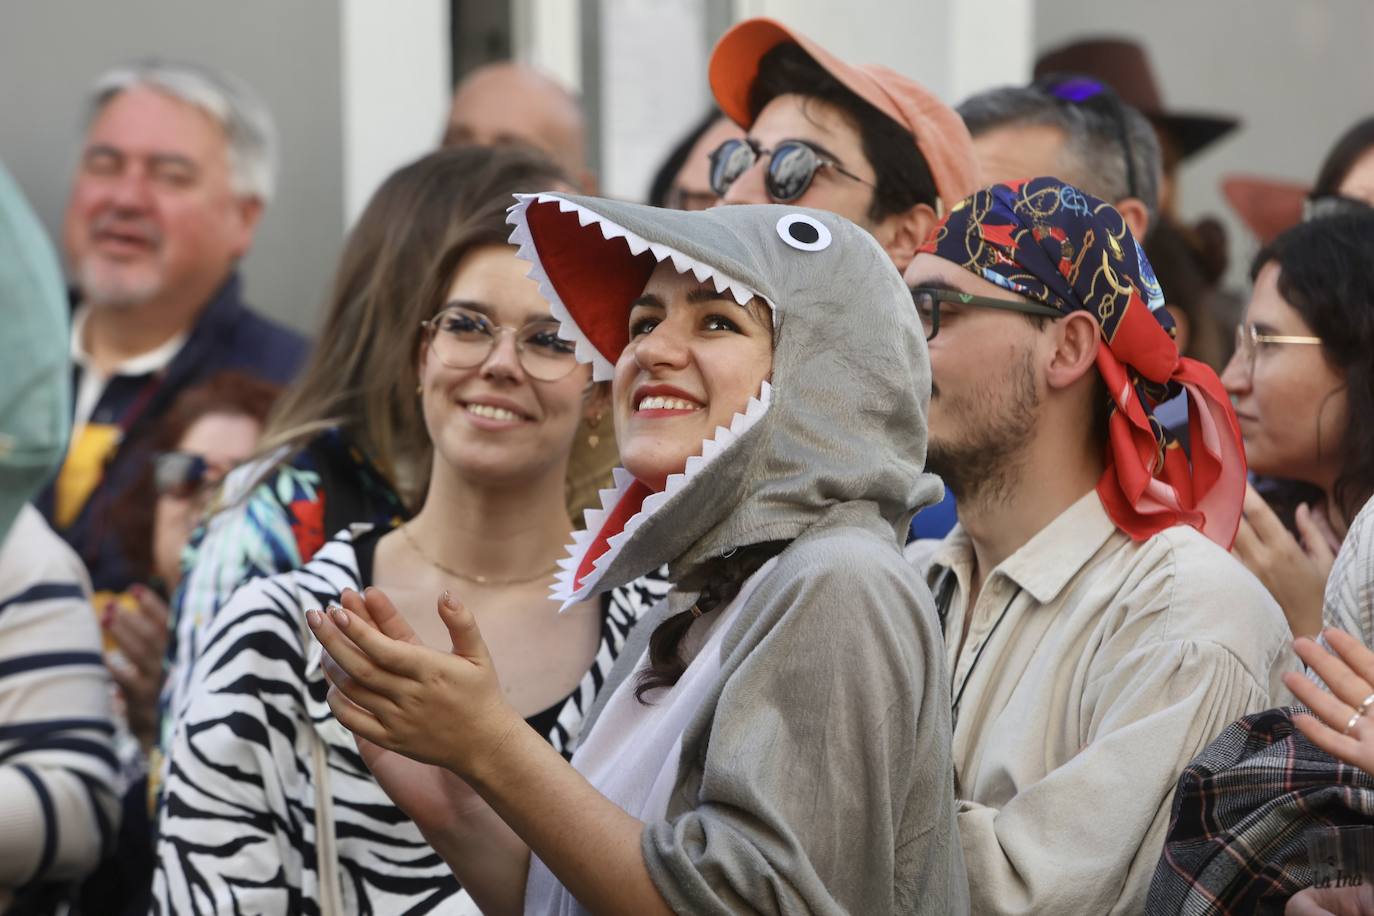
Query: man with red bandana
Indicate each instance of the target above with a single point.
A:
(1098, 632)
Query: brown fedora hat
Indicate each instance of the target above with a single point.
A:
(1123, 65)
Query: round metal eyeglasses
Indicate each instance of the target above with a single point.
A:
(463, 338)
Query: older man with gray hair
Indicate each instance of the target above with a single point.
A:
(177, 166)
(1076, 129)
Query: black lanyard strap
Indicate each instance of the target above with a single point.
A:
(942, 602)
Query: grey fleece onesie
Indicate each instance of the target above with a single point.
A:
(815, 776)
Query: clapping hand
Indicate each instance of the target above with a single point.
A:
(442, 708)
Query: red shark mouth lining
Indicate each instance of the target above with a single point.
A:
(579, 274)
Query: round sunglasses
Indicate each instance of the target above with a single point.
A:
(792, 165)
(185, 475)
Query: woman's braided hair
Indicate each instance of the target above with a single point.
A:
(725, 576)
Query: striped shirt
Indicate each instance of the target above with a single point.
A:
(59, 806)
(237, 828)
(1349, 601)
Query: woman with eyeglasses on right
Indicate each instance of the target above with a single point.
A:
(1302, 381)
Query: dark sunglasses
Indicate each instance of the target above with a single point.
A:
(928, 301)
(184, 475)
(1076, 89)
(792, 165)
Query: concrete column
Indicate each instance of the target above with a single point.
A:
(394, 78)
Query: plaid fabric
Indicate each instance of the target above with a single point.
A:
(1054, 244)
(1237, 842)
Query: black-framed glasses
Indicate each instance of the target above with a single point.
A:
(1077, 89)
(928, 302)
(462, 338)
(184, 475)
(792, 165)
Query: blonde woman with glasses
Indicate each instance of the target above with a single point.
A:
(267, 806)
(440, 394)
(1302, 381)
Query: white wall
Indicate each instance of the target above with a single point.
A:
(942, 44)
(1297, 74)
(547, 35)
(394, 79)
(654, 56)
(51, 50)
(653, 86)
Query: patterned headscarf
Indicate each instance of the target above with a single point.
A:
(1052, 243)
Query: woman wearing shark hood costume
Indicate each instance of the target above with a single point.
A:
(795, 759)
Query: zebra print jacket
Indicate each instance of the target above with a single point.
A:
(237, 828)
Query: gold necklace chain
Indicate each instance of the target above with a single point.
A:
(480, 580)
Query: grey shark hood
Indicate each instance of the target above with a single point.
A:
(841, 420)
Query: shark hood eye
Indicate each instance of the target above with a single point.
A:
(803, 232)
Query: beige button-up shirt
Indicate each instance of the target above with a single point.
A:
(1095, 668)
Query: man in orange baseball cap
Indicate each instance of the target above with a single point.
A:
(861, 141)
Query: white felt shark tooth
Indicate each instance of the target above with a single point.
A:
(741, 293)
(567, 563)
(586, 217)
(602, 371)
(520, 233)
(608, 498)
(611, 495)
(650, 506)
(710, 448)
(593, 518)
(681, 262)
(719, 282)
(610, 230)
(660, 250)
(564, 204)
(637, 244)
(740, 422)
(694, 464)
(702, 272)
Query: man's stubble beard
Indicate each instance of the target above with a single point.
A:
(103, 287)
(983, 466)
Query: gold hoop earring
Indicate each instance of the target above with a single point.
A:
(594, 437)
